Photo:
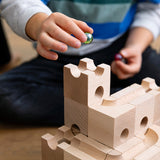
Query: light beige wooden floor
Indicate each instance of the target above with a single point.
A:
(23, 142)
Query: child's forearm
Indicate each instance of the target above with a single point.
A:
(33, 25)
(139, 38)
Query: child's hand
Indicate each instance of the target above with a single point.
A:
(129, 69)
(138, 40)
(54, 33)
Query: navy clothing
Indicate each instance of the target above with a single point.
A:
(33, 92)
(4, 48)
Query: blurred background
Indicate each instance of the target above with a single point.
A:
(21, 50)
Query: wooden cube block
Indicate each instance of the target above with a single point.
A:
(111, 125)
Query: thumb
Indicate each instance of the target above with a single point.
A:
(124, 53)
(128, 53)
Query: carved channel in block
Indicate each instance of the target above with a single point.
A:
(63, 140)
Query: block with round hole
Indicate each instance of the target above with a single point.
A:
(84, 85)
(144, 113)
(111, 125)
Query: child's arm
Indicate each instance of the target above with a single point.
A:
(18, 12)
(54, 33)
(145, 28)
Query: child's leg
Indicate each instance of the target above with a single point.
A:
(33, 93)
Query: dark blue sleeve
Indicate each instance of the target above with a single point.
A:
(153, 1)
(44, 1)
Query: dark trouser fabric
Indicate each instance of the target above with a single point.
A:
(4, 49)
(33, 92)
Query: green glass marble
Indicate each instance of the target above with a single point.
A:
(89, 38)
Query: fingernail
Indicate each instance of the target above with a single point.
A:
(77, 44)
(123, 53)
(63, 48)
(84, 38)
(55, 56)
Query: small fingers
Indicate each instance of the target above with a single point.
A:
(60, 35)
(84, 27)
(130, 68)
(51, 43)
(121, 74)
(58, 32)
(46, 53)
(73, 26)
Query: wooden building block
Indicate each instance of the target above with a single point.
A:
(84, 85)
(49, 143)
(91, 147)
(124, 96)
(148, 154)
(65, 133)
(111, 125)
(156, 94)
(113, 122)
(149, 84)
(79, 116)
(130, 154)
(156, 157)
(72, 153)
(131, 143)
(100, 126)
(144, 113)
(153, 136)
(137, 151)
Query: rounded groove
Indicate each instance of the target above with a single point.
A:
(75, 72)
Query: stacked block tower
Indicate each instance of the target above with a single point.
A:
(100, 126)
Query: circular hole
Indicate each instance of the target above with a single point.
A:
(75, 129)
(99, 92)
(124, 134)
(144, 122)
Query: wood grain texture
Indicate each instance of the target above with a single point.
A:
(20, 142)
